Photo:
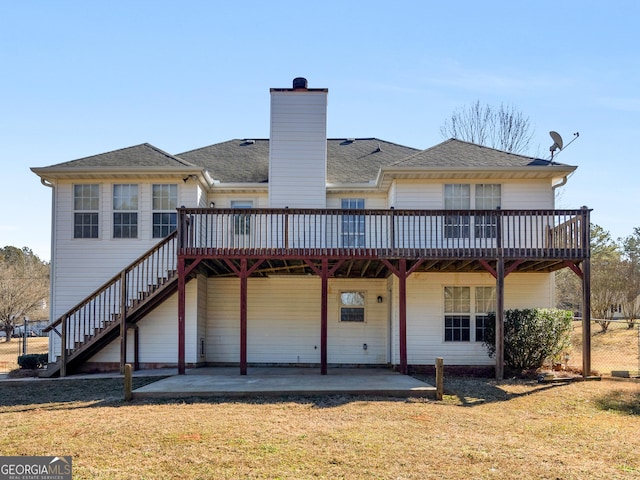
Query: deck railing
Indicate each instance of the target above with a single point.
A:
(384, 233)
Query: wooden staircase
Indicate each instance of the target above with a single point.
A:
(124, 300)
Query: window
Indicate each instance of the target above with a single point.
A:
(164, 204)
(457, 319)
(353, 226)
(462, 311)
(457, 197)
(488, 197)
(242, 221)
(485, 303)
(86, 203)
(352, 307)
(125, 211)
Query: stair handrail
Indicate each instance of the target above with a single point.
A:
(172, 236)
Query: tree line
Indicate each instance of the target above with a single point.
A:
(615, 279)
(24, 287)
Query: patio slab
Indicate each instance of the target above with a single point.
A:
(276, 381)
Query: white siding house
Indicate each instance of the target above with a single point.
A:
(299, 250)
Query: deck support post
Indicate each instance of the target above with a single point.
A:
(324, 273)
(586, 292)
(123, 320)
(323, 316)
(499, 274)
(586, 317)
(136, 349)
(243, 316)
(402, 291)
(181, 315)
(243, 273)
(500, 319)
(402, 273)
(63, 346)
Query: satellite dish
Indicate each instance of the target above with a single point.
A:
(557, 139)
(557, 142)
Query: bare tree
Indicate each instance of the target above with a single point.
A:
(631, 277)
(606, 279)
(504, 128)
(24, 286)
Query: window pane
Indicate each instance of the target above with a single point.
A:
(164, 224)
(351, 314)
(125, 225)
(165, 197)
(482, 321)
(85, 225)
(457, 299)
(353, 226)
(485, 299)
(457, 328)
(352, 298)
(125, 197)
(457, 196)
(488, 196)
(85, 197)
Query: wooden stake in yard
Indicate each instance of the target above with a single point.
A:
(128, 382)
(439, 378)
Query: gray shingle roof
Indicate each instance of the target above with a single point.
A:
(348, 161)
(143, 155)
(234, 161)
(457, 153)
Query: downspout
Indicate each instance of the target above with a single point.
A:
(562, 183)
(47, 183)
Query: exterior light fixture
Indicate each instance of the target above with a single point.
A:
(379, 298)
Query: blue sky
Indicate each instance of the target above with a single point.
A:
(81, 78)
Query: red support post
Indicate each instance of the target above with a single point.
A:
(181, 315)
(402, 278)
(243, 316)
(323, 316)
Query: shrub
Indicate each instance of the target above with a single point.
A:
(33, 361)
(531, 336)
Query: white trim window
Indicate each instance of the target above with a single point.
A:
(457, 196)
(164, 201)
(86, 206)
(242, 221)
(464, 196)
(125, 211)
(352, 306)
(466, 310)
(353, 226)
(457, 318)
(485, 302)
(488, 197)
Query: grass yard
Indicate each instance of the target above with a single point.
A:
(483, 429)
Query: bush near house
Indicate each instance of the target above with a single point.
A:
(531, 336)
(33, 361)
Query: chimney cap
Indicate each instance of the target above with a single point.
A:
(299, 82)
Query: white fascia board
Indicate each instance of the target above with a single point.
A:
(105, 172)
(551, 171)
(218, 186)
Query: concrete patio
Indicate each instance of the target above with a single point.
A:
(276, 381)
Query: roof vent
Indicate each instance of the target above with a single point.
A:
(248, 141)
(299, 82)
